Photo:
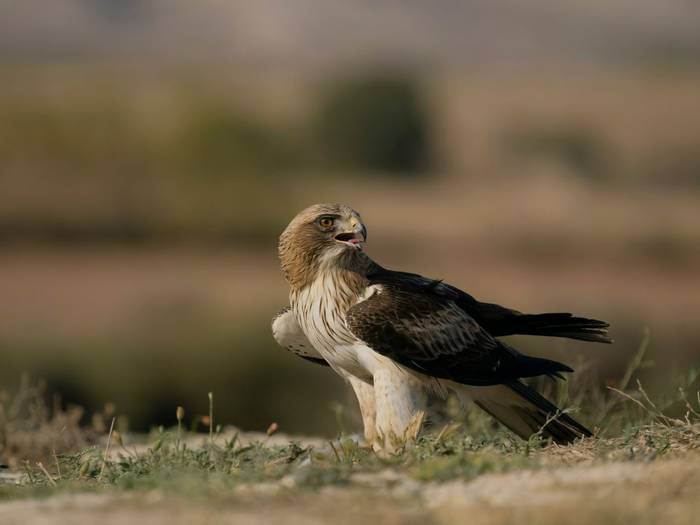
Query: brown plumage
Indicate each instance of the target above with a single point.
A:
(397, 336)
(304, 243)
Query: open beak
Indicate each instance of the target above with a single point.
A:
(354, 238)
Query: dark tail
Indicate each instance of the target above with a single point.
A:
(560, 325)
(525, 412)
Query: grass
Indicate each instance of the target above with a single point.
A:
(219, 464)
(219, 467)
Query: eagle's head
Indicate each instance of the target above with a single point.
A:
(330, 234)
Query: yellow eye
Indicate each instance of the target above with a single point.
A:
(325, 222)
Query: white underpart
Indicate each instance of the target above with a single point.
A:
(399, 394)
(389, 402)
(400, 399)
(289, 335)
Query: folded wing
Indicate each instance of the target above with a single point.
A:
(423, 328)
(428, 332)
(498, 320)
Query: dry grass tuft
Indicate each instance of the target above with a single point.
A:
(32, 432)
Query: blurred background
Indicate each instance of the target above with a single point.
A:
(542, 155)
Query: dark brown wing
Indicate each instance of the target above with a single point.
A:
(422, 329)
(498, 320)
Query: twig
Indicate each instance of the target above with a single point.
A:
(659, 413)
(646, 397)
(337, 456)
(636, 360)
(109, 442)
(629, 397)
(46, 472)
(211, 417)
(58, 466)
(634, 365)
(547, 421)
(690, 407)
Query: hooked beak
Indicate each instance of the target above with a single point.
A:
(354, 238)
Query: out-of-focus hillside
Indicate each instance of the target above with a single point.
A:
(123, 153)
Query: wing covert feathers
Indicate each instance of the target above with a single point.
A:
(498, 320)
(431, 334)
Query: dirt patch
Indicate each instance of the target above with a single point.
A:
(340, 507)
(664, 491)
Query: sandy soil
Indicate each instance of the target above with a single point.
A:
(659, 492)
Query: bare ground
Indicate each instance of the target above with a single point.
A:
(664, 491)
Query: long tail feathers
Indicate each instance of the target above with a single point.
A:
(561, 325)
(525, 412)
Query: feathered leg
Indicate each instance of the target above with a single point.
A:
(400, 403)
(368, 410)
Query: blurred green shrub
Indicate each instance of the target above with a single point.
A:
(577, 147)
(375, 122)
(221, 140)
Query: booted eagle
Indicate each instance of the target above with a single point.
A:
(398, 337)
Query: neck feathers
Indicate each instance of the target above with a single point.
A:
(302, 267)
(333, 289)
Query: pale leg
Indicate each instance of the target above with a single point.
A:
(400, 403)
(365, 398)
